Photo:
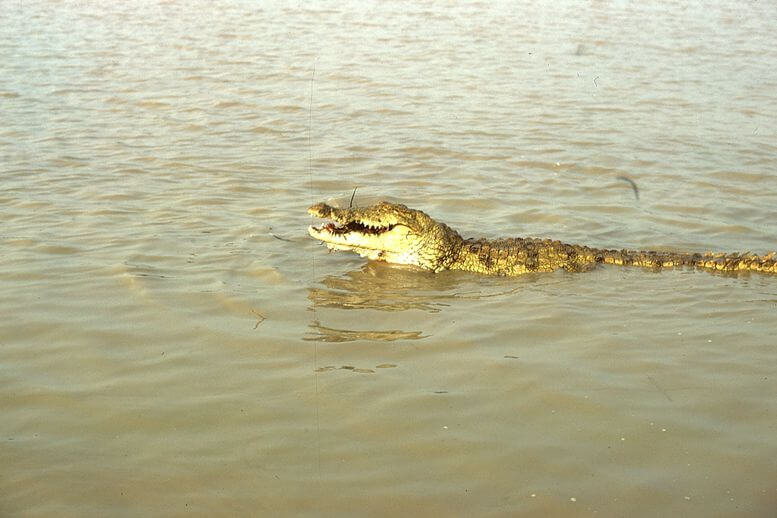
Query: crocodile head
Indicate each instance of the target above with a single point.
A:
(388, 232)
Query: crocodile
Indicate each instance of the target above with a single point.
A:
(395, 233)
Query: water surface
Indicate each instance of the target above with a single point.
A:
(173, 343)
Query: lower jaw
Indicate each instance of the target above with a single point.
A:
(335, 246)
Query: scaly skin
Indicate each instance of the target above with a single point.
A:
(394, 233)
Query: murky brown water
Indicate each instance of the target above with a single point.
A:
(173, 343)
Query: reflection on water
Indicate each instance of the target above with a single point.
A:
(358, 370)
(329, 334)
(395, 288)
(375, 287)
(389, 288)
(382, 287)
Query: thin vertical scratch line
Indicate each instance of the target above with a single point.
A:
(310, 127)
(313, 269)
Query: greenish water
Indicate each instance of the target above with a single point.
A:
(173, 343)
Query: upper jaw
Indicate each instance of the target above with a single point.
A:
(373, 216)
(326, 232)
(322, 210)
(351, 223)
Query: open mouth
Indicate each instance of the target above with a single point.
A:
(354, 226)
(369, 232)
(343, 230)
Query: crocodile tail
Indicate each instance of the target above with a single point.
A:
(723, 262)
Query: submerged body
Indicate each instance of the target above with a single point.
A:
(394, 233)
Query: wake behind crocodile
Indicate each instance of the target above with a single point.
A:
(395, 233)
